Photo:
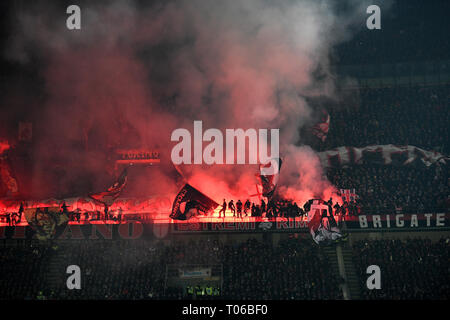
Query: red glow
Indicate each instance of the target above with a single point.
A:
(4, 145)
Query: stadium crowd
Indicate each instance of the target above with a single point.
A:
(294, 270)
(21, 271)
(411, 269)
(394, 189)
(394, 115)
(401, 116)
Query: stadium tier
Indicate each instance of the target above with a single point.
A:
(290, 267)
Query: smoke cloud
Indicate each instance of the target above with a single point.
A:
(135, 72)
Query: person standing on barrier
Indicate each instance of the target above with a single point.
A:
(239, 208)
(232, 207)
(223, 209)
(8, 218)
(119, 216)
(263, 207)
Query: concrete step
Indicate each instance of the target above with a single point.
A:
(331, 253)
(353, 280)
(55, 272)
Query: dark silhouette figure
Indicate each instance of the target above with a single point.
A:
(223, 209)
(239, 208)
(232, 207)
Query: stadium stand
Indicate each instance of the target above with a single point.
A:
(413, 269)
(401, 116)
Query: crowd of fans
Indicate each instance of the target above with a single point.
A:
(411, 269)
(402, 116)
(11, 218)
(293, 269)
(387, 189)
(16, 218)
(272, 209)
(21, 272)
(411, 30)
(282, 208)
(397, 115)
(416, 116)
(113, 270)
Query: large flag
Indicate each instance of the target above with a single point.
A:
(269, 177)
(348, 195)
(48, 222)
(315, 216)
(188, 201)
(112, 193)
(381, 154)
(322, 226)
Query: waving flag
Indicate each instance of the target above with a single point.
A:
(188, 201)
(112, 193)
(348, 195)
(47, 222)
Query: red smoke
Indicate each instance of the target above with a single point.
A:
(133, 74)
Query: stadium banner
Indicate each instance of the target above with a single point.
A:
(136, 157)
(399, 222)
(392, 222)
(189, 273)
(136, 229)
(149, 205)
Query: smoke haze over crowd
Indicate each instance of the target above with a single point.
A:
(138, 70)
